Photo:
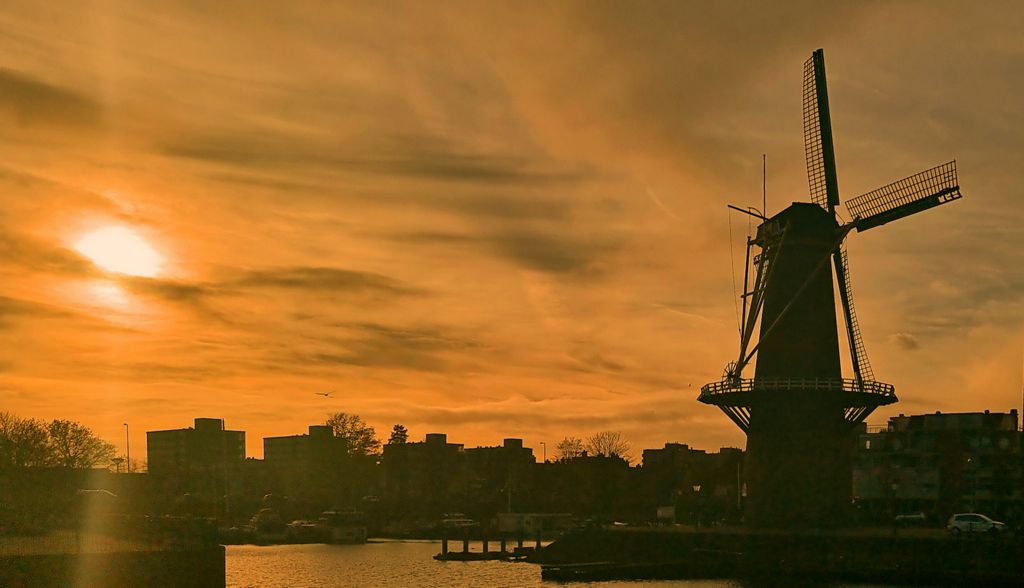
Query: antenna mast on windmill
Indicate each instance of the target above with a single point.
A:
(799, 413)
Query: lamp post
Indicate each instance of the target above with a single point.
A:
(544, 446)
(972, 467)
(739, 488)
(127, 450)
(696, 495)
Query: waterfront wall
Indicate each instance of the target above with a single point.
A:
(862, 556)
(199, 568)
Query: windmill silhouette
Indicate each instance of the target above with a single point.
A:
(798, 411)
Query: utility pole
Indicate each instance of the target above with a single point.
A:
(508, 491)
(739, 486)
(764, 184)
(544, 446)
(127, 450)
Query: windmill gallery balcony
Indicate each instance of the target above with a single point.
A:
(736, 396)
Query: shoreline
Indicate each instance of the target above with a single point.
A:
(861, 555)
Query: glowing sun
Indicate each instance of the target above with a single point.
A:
(120, 250)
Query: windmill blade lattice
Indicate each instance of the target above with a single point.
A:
(905, 197)
(858, 351)
(818, 148)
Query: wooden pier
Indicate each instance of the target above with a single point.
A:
(503, 554)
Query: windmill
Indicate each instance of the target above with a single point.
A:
(799, 413)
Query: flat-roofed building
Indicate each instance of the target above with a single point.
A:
(941, 463)
(308, 451)
(313, 469)
(203, 460)
(424, 478)
(693, 481)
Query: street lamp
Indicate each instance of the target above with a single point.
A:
(127, 449)
(739, 488)
(544, 446)
(972, 467)
(696, 496)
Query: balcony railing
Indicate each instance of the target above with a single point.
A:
(729, 386)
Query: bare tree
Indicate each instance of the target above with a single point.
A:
(135, 466)
(399, 434)
(362, 439)
(73, 445)
(609, 444)
(23, 442)
(568, 448)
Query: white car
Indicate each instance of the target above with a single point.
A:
(973, 523)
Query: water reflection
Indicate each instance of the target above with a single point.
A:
(387, 563)
(409, 563)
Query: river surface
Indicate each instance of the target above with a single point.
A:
(387, 563)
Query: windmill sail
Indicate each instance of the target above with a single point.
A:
(771, 245)
(908, 196)
(818, 149)
(858, 353)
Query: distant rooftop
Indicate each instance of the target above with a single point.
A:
(940, 421)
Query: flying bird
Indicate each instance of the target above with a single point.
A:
(324, 394)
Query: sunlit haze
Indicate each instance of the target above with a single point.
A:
(485, 220)
(120, 250)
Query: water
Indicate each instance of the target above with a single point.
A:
(388, 563)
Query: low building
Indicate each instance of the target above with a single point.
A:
(313, 469)
(202, 461)
(498, 478)
(423, 479)
(688, 482)
(307, 452)
(596, 487)
(939, 464)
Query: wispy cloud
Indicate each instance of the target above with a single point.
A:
(905, 341)
(509, 221)
(32, 103)
(12, 309)
(324, 279)
(420, 157)
(30, 253)
(551, 253)
(376, 345)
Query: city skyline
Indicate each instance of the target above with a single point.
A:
(482, 220)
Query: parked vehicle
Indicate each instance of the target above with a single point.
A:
(973, 523)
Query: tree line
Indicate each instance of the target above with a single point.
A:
(362, 440)
(65, 443)
(604, 443)
(59, 443)
(361, 437)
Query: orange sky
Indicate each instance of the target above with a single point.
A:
(491, 220)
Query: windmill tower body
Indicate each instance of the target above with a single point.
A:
(799, 412)
(811, 349)
(798, 443)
